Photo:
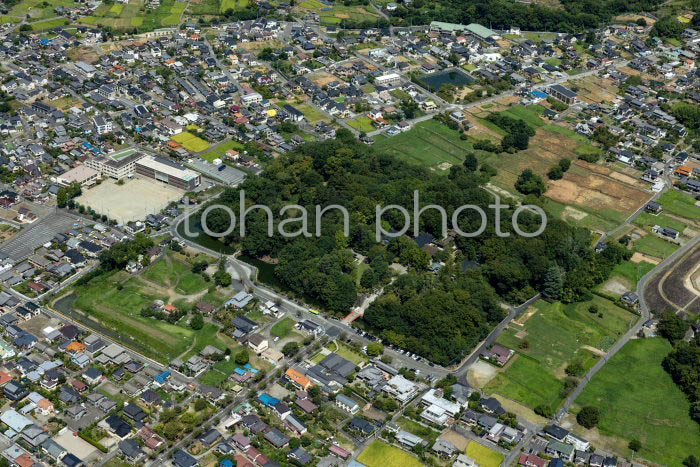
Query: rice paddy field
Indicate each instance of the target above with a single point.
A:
(191, 142)
(39, 9)
(135, 15)
(335, 13)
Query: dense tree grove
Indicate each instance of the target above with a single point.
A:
(438, 315)
(518, 132)
(683, 364)
(576, 15)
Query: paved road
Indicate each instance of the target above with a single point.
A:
(632, 332)
(513, 312)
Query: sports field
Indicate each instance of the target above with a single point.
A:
(380, 454)
(484, 456)
(655, 414)
(536, 376)
(430, 144)
(114, 200)
(191, 142)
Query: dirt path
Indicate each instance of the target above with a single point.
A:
(172, 295)
(593, 350)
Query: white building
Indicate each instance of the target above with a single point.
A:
(390, 79)
(400, 388)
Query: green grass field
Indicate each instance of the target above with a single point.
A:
(176, 275)
(362, 124)
(680, 204)
(530, 114)
(283, 328)
(630, 272)
(191, 142)
(484, 456)
(39, 9)
(130, 15)
(655, 414)
(428, 143)
(49, 24)
(380, 454)
(646, 219)
(427, 433)
(219, 151)
(656, 246)
(555, 335)
(118, 307)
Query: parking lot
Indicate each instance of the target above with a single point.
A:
(41, 231)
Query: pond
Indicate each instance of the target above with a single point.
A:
(203, 239)
(454, 76)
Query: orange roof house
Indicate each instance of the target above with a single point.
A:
(684, 170)
(4, 378)
(76, 347)
(298, 379)
(170, 309)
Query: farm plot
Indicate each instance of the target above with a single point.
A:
(594, 90)
(680, 204)
(336, 13)
(220, 151)
(380, 454)
(191, 142)
(40, 9)
(604, 197)
(132, 15)
(484, 456)
(430, 144)
(535, 377)
(655, 414)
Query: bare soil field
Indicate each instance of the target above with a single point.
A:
(638, 257)
(458, 440)
(593, 90)
(596, 191)
(481, 373)
(322, 78)
(617, 286)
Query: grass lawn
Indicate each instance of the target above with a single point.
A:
(631, 272)
(653, 245)
(429, 144)
(177, 275)
(348, 354)
(530, 114)
(191, 142)
(427, 433)
(680, 203)
(116, 300)
(49, 24)
(484, 456)
(311, 113)
(656, 414)
(527, 382)
(219, 151)
(362, 124)
(646, 219)
(283, 328)
(534, 378)
(379, 454)
(213, 378)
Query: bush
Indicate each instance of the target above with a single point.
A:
(588, 417)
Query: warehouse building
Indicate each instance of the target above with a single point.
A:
(168, 172)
